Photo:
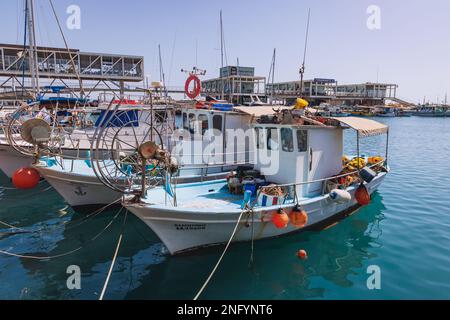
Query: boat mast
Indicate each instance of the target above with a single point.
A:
(221, 54)
(32, 49)
(302, 68)
(270, 78)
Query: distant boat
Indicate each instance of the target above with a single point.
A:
(431, 111)
(386, 112)
(403, 113)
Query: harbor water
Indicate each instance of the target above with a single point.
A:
(404, 232)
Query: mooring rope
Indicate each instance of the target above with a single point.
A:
(68, 225)
(221, 257)
(113, 261)
(8, 253)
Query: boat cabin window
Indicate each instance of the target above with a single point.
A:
(203, 123)
(191, 123)
(302, 140)
(185, 122)
(272, 139)
(287, 140)
(217, 123)
(259, 138)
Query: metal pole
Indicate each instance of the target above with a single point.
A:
(302, 68)
(357, 151)
(387, 146)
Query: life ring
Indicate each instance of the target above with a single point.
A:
(197, 86)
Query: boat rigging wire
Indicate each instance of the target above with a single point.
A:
(113, 261)
(43, 258)
(221, 257)
(75, 70)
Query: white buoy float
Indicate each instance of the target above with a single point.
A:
(339, 195)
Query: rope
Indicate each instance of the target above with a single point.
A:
(65, 253)
(221, 257)
(68, 227)
(250, 263)
(114, 258)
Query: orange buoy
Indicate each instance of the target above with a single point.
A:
(298, 217)
(301, 254)
(280, 219)
(25, 178)
(362, 195)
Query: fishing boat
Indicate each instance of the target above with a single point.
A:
(297, 182)
(429, 110)
(76, 181)
(362, 111)
(386, 111)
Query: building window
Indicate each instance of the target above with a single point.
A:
(287, 140)
(272, 139)
(302, 140)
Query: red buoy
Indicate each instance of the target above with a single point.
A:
(298, 217)
(301, 254)
(25, 178)
(197, 86)
(362, 196)
(280, 219)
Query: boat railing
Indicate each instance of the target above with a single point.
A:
(324, 181)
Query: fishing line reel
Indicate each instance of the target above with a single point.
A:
(33, 131)
(127, 151)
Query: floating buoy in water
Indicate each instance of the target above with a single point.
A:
(25, 178)
(301, 254)
(280, 219)
(298, 217)
(362, 195)
(339, 195)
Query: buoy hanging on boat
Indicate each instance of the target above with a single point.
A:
(280, 219)
(197, 86)
(301, 254)
(25, 178)
(339, 195)
(298, 217)
(362, 195)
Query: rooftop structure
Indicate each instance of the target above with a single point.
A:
(328, 90)
(56, 63)
(236, 84)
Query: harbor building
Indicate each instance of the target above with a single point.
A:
(236, 84)
(328, 90)
(66, 67)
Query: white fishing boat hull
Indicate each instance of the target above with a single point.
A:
(81, 187)
(11, 160)
(78, 190)
(186, 230)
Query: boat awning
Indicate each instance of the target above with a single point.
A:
(365, 127)
(258, 111)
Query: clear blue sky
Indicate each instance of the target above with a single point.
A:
(411, 49)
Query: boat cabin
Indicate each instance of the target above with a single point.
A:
(214, 137)
(289, 154)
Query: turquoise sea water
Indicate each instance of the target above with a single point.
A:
(405, 231)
